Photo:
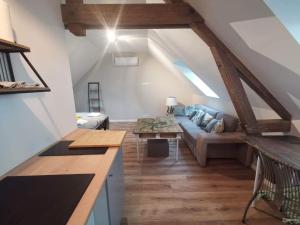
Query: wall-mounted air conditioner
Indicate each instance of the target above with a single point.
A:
(125, 59)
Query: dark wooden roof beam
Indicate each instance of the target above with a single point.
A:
(274, 125)
(212, 40)
(127, 16)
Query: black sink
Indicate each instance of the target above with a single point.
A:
(41, 200)
(61, 149)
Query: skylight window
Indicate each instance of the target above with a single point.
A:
(191, 76)
(288, 12)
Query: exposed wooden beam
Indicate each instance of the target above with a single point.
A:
(212, 40)
(221, 54)
(174, 1)
(236, 91)
(274, 125)
(77, 29)
(74, 1)
(129, 16)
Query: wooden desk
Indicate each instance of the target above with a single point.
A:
(278, 174)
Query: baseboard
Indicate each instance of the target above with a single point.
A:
(118, 121)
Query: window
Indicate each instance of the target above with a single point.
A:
(288, 14)
(6, 71)
(191, 76)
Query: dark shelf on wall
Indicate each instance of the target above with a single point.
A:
(11, 47)
(4, 91)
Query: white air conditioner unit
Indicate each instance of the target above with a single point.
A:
(125, 60)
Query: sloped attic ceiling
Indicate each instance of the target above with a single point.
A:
(257, 37)
(85, 52)
(253, 33)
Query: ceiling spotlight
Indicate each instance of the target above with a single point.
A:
(111, 35)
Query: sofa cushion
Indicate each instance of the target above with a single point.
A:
(189, 110)
(230, 122)
(181, 119)
(210, 125)
(211, 111)
(218, 127)
(192, 115)
(191, 129)
(198, 117)
(179, 110)
(206, 119)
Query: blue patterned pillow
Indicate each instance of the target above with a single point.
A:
(218, 127)
(179, 110)
(198, 117)
(210, 125)
(189, 110)
(206, 119)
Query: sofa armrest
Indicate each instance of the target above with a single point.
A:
(228, 137)
(204, 139)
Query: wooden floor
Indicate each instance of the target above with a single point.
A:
(162, 192)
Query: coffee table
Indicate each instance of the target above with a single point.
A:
(164, 127)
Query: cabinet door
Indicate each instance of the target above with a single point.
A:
(115, 187)
(100, 212)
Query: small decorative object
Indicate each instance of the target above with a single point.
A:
(171, 102)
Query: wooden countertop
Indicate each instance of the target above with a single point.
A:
(82, 164)
(284, 149)
(99, 138)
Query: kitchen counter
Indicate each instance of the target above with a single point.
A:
(77, 164)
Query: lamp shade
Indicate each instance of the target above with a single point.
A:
(171, 101)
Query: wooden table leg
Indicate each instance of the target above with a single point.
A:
(137, 148)
(177, 148)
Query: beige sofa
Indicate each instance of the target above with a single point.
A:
(205, 145)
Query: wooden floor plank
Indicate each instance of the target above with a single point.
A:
(162, 192)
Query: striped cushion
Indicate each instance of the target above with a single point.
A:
(198, 117)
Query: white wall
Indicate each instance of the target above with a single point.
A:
(132, 92)
(30, 122)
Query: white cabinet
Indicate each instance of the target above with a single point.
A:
(115, 190)
(101, 212)
(110, 202)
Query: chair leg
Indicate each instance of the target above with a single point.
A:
(255, 193)
(248, 207)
